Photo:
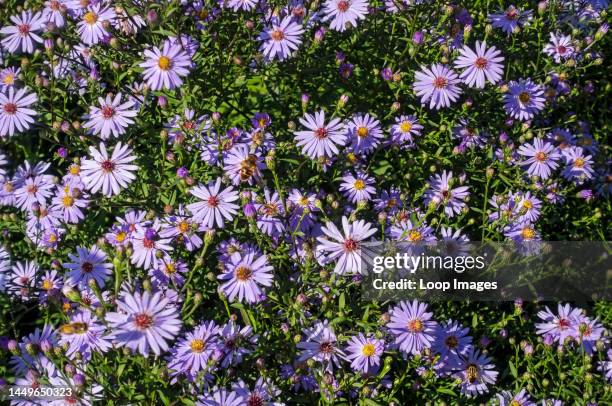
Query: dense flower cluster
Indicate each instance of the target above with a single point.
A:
(187, 190)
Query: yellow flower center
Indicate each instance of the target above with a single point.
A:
(524, 97)
(303, 201)
(243, 273)
(67, 201)
(528, 233)
(579, 163)
(362, 132)
(368, 350)
(359, 184)
(90, 18)
(197, 345)
(9, 79)
(47, 284)
(414, 235)
(415, 326)
(183, 227)
(74, 169)
(164, 62)
(405, 126)
(120, 237)
(527, 204)
(170, 268)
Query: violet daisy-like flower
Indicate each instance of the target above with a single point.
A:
(605, 366)
(522, 398)
(111, 118)
(365, 133)
(93, 23)
(50, 286)
(476, 372)
(524, 99)
(412, 326)
(270, 211)
(522, 231)
(281, 39)
(346, 248)
(109, 174)
(541, 158)
(243, 166)
(183, 229)
(164, 67)
(235, 343)
(34, 190)
(245, 5)
(587, 332)
(404, 129)
(221, 397)
(578, 165)
(320, 344)
(560, 47)
(197, 347)
(148, 246)
(169, 271)
(480, 65)
(144, 322)
(24, 33)
(358, 187)
(244, 276)
(70, 202)
(364, 353)
(84, 334)
(88, 264)
(510, 19)
(54, 12)
(22, 279)
(15, 113)
(344, 13)
(8, 77)
(440, 193)
(263, 392)
(529, 207)
(320, 140)
(559, 326)
(452, 340)
(214, 204)
(437, 84)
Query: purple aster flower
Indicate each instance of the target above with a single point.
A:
(86, 265)
(245, 5)
(475, 372)
(560, 47)
(346, 248)
(406, 230)
(144, 322)
(344, 13)
(468, 136)
(281, 39)
(264, 392)
(579, 165)
(5, 267)
(70, 202)
(182, 229)
(109, 174)
(234, 341)
(404, 129)
(193, 352)
(559, 326)
(480, 64)
(524, 99)
(451, 340)
(15, 113)
(111, 118)
(358, 187)
(346, 71)
(33, 191)
(522, 398)
(164, 67)
(364, 353)
(320, 140)
(606, 367)
(148, 245)
(365, 133)
(243, 277)
(22, 279)
(8, 77)
(541, 157)
(220, 396)
(54, 12)
(587, 332)
(24, 33)
(437, 84)
(93, 23)
(412, 327)
(440, 193)
(214, 204)
(389, 201)
(50, 286)
(243, 166)
(528, 207)
(510, 19)
(320, 344)
(270, 211)
(169, 271)
(84, 334)
(522, 232)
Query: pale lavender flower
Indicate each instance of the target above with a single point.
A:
(524, 99)
(364, 353)
(522, 232)
(22, 279)
(183, 229)
(480, 65)
(560, 47)
(320, 344)
(193, 352)
(270, 211)
(15, 113)
(109, 174)
(148, 246)
(561, 325)
(234, 341)
(476, 372)
(86, 265)
(320, 140)
(358, 187)
(346, 248)
(8, 76)
(404, 130)
(169, 271)
(579, 165)
(452, 340)
(263, 392)
(243, 277)
(54, 12)
(440, 193)
(69, 200)
(245, 5)
(111, 118)
(92, 26)
(541, 157)
(412, 326)
(281, 39)
(221, 397)
(510, 20)
(24, 33)
(34, 190)
(214, 204)
(164, 67)
(144, 322)
(364, 132)
(437, 84)
(522, 398)
(243, 166)
(606, 367)
(84, 334)
(529, 207)
(344, 13)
